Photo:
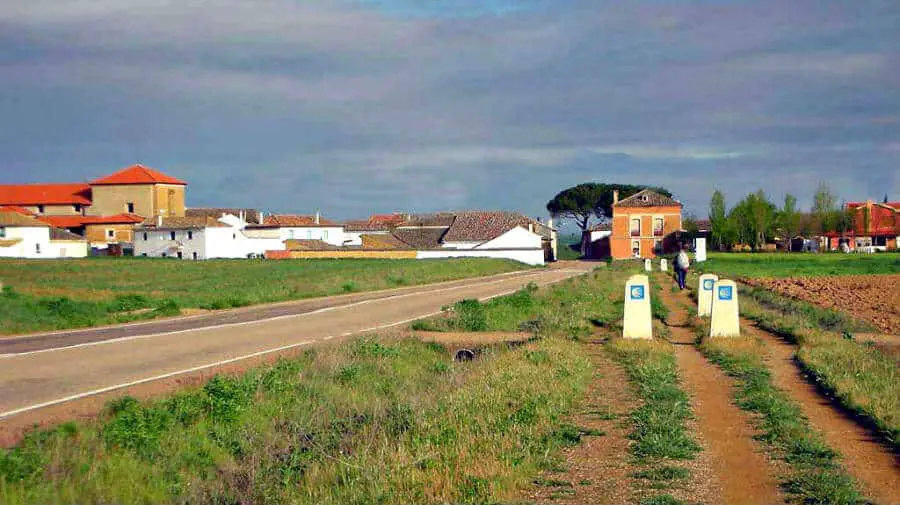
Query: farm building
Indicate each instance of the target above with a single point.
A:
(294, 227)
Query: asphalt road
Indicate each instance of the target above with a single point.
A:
(49, 369)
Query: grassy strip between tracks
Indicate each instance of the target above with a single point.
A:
(815, 474)
(861, 377)
(660, 433)
(371, 421)
(53, 295)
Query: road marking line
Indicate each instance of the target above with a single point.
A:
(148, 379)
(258, 321)
(107, 389)
(264, 305)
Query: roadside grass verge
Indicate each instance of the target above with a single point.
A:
(572, 308)
(799, 264)
(661, 436)
(54, 295)
(370, 421)
(815, 474)
(861, 377)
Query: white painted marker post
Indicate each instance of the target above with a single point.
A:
(638, 318)
(725, 320)
(648, 265)
(705, 294)
(663, 265)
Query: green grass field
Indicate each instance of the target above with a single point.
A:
(755, 265)
(49, 295)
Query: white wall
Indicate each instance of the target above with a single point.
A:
(515, 238)
(333, 235)
(35, 242)
(68, 248)
(527, 256)
(208, 243)
(460, 245)
(598, 235)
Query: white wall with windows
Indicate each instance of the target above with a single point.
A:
(333, 235)
(202, 243)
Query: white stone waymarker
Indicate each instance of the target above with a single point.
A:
(638, 319)
(725, 320)
(700, 250)
(663, 265)
(705, 294)
(648, 265)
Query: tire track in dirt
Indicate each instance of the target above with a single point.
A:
(746, 476)
(597, 470)
(865, 458)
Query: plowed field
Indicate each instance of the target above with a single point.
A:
(873, 298)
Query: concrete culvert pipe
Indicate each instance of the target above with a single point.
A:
(465, 355)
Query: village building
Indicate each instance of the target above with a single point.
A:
(297, 227)
(204, 237)
(473, 234)
(876, 227)
(644, 225)
(24, 236)
(105, 210)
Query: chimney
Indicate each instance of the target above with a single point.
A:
(615, 196)
(317, 217)
(550, 222)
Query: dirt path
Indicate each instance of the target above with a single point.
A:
(875, 467)
(745, 475)
(597, 470)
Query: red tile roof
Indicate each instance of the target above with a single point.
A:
(648, 198)
(389, 219)
(45, 194)
(137, 174)
(295, 220)
(17, 209)
(79, 221)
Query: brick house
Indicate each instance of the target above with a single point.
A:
(875, 225)
(644, 225)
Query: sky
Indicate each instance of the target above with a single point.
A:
(363, 106)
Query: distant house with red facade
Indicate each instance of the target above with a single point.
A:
(875, 225)
(643, 225)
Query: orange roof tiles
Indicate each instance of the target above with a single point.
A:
(79, 221)
(295, 220)
(137, 174)
(45, 194)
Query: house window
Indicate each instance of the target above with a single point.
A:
(130, 207)
(171, 235)
(636, 249)
(658, 246)
(180, 255)
(2, 232)
(658, 226)
(308, 234)
(77, 207)
(110, 233)
(164, 255)
(145, 236)
(194, 255)
(37, 248)
(40, 209)
(325, 235)
(636, 227)
(234, 236)
(190, 235)
(291, 234)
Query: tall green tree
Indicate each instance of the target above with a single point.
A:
(788, 220)
(718, 220)
(824, 207)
